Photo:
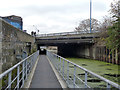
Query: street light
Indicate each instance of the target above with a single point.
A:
(36, 29)
(90, 15)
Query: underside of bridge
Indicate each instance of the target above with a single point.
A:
(75, 50)
(83, 50)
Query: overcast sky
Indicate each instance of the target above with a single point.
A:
(52, 16)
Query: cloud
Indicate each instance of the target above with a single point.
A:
(61, 9)
(99, 6)
(53, 15)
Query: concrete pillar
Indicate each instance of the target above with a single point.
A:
(104, 53)
(116, 56)
(0, 51)
(0, 46)
(87, 51)
(113, 57)
(109, 56)
(99, 53)
(119, 56)
(94, 53)
(100, 48)
(91, 48)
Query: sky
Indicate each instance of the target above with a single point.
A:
(54, 16)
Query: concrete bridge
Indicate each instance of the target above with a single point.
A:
(71, 44)
(79, 44)
(66, 38)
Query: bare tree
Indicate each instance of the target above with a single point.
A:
(115, 9)
(84, 25)
(107, 22)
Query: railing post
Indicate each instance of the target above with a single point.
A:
(18, 69)
(26, 69)
(60, 65)
(57, 63)
(108, 86)
(31, 62)
(85, 79)
(63, 69)
(34, 58)
(68, 72)
(23, 73)
(74, 76)
(9, 80)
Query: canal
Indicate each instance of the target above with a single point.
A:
(107, 70)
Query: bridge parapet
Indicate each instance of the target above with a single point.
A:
(70, 37)
(66, 33)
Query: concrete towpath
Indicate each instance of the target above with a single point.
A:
(44, 76)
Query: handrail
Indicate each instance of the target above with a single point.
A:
(10, 69)
(110, 83)
(96, 75)
(27, 65)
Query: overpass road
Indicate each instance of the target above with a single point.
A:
(66, 38)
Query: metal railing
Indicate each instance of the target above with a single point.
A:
(66, 33)
(77, 76)
(15, 76)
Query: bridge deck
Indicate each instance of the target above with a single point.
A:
(44, 76)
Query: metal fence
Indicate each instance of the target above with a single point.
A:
(15, 76)
(77, 76)
(66, 33)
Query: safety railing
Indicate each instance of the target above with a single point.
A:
(15, 76)
(77, 76)
(66, 33)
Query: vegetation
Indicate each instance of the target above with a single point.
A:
(113, 39)
(84, 25)
(107, 70)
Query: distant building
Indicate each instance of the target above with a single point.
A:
(16, 21)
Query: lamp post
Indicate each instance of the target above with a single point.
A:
(37, 30)
(90, 15)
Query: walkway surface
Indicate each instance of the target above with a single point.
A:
(44, 77)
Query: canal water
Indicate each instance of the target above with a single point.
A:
(107, 70)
